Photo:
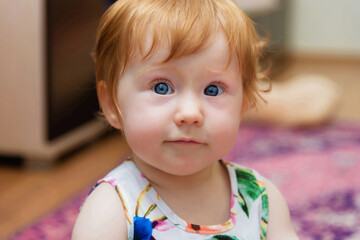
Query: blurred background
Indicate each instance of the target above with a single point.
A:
(53, 146)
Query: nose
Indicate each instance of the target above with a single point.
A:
(189, 111)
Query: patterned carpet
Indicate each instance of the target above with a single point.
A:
(315, 168)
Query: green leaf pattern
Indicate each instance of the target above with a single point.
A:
(250, 189)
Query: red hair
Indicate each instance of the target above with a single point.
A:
(184, 26)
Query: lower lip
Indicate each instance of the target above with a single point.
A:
(186, 143)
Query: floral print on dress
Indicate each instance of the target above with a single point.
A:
(149, 218)
(143, 226)
(223, 237)
(250, 189)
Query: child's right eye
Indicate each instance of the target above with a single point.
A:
(162, 88)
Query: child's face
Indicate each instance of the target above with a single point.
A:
(183, 115)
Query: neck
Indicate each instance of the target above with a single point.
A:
(163, 181)
(193, 195)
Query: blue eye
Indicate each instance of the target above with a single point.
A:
(213, 90)
(162, 88)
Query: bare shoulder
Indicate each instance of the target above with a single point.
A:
(280, 226)
(102, 216)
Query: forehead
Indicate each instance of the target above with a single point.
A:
(215, 47)
(215, 58)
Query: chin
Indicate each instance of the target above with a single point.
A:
(185, 169)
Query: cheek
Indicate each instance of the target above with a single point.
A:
(224, 129)
(144, 125)
(139, 133)
(141, 122)
(227, 131)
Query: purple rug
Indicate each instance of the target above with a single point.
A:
(315, 168)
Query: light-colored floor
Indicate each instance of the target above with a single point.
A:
(27, 195)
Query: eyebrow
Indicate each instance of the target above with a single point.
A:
(225, 72)
(157, 66)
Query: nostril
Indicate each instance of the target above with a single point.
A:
(194, 120)
(189, 114)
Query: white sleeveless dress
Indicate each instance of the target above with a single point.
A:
(148, 217)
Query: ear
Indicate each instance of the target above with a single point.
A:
(108, 106)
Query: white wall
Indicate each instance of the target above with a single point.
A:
(21, 73)
(324, 26)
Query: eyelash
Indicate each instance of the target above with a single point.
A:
(160, 80)
(220, 84)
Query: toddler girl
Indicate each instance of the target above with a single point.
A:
(175, 76)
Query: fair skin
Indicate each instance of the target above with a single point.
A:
(179, 118)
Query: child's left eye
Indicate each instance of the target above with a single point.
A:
(213, 90)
